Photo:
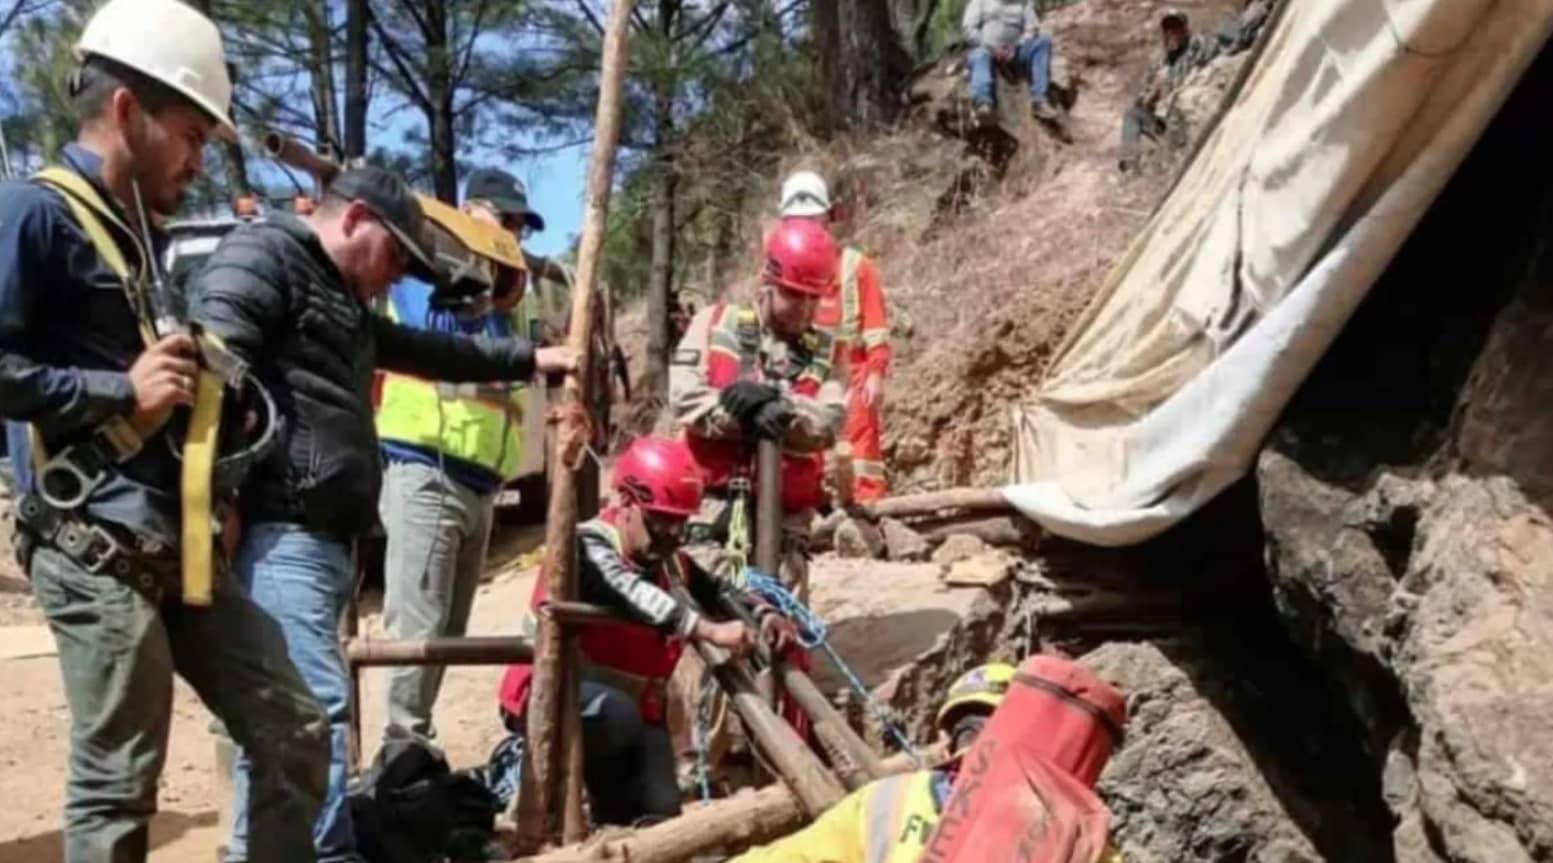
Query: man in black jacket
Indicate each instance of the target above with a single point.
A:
(290, 295)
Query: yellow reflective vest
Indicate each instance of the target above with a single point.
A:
(888, 820)
(481, 424)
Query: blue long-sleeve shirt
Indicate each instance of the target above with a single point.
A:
(67, 339)
(411, 299)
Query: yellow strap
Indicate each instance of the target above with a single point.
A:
(90, 212)
(199, 461)
(199, 451)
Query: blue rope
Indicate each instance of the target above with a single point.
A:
(813, 633)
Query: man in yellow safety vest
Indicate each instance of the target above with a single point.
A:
(891, 820)
(448, 451)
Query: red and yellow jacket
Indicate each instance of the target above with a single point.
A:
(859, 318)
(726, 344)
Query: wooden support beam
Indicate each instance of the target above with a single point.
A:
(814, 786)
(469, 650)
(554, 749)
(728, 826)
(932, 502)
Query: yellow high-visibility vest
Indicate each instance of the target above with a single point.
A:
(479, 423)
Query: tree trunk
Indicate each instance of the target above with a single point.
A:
(439, 89)
(321, 72)
(825, 24)
(874, 66)
(356, 13)
(661, 280)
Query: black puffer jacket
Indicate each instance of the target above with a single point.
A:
(278, 301)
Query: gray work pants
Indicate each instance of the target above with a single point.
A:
(438, 530)
(118, 651)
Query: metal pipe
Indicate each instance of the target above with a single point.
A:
(768, 507)
(468, 650)
(289, 151)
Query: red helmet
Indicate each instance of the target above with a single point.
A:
(660, 475)
(801, 256)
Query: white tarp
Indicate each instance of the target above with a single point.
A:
(1350, 123)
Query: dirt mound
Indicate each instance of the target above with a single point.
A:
(982, 306)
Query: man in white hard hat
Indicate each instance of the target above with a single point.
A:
(88, 380)
(859, 318)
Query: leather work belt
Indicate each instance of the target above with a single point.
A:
(148, 567)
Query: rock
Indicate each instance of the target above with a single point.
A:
(1443, 636)
(958, 547)
(914, 692)
(984, 570)
(856, 538)
(1183, 787)
(903, 543)
(1406, 505)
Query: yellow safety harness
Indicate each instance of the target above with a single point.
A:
(123, 437)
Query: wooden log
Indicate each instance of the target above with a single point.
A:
(469, 650)
(729, 825)
(928, 503)
(554, 698)
(850, 756)
(814, 786)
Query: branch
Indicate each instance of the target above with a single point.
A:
(587, 12)
(469, 48)
(20, 8)
(405, 75)
(708, 21)
(421, 21)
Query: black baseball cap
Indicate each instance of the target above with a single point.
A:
(504, 192)
(391, 200)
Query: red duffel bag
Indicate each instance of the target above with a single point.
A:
(1025, 790)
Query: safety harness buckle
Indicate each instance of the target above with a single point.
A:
(92, 546)
(68, 479)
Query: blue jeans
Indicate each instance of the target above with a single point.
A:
(303, 579)
(1033, 54)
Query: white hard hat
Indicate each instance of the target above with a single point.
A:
(804, 194)
(170, 42)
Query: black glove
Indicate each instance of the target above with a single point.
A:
(772, 420)
(744, 400)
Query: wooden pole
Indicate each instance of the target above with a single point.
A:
(553, 704)
(462, 650)
(728, 826)
(817, 789)
(928, 503)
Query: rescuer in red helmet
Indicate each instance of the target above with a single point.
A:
(746, 373)
(629, 560)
